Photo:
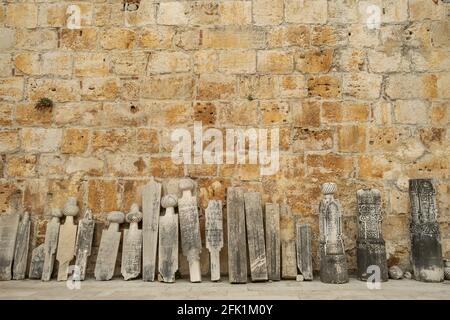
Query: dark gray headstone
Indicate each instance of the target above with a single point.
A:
(22, 245)
(273, 246)
(304, 254)
(37, 262)
(83, 245)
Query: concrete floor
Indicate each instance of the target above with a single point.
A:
(182, 289)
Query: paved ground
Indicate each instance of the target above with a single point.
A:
(182, 289)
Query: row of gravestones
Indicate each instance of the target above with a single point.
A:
(272, 254)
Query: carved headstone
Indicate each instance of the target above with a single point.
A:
(132, 245)
(426, 248)
(22, 245)
(109, 247)
(255, 236)
(67, 239)
(168, 240)
(9, 225)
(214, 235)
(273, 245)
(333, 262)
(190, 229)
(51, 243)
(37, 262)
(304, 254)
(83, 245)
(287, 236)
(237, 239)
(371, 250)
(151, 197)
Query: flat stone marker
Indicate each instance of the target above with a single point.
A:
(9, 225)
(370, 245)
(51, 244)
(109, 247)
(151, 197)
(22, 245)
(304, 256)
(237, 238)
(426, 247)
(83, 245)
(255, 236)
(191, 243)
(287, 236)
(37, 262)
(333, 261)
(273, 246)
(132, 245)
(67, 239)
(214, 235)
(168, 240)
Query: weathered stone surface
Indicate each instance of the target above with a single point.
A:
(168, 240)
(83, 245)
(109, 247)
(287, 237)
(191, 243)
(273, 244)
(21, 249)
(255, 236)
(37, 262)
(333, 262)
(304, 255)
(9, 225)
(214, 235)
(151, 198)
(426, 248)
(132, 245)
(237, 248)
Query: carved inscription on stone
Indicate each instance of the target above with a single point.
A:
(132, 245)
(8, 232)
(84, 243)
(22, 245)
(214, 236)
(168, 240)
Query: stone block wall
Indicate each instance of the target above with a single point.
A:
(359, 106)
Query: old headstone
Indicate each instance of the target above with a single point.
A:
(37, 262)
(22, 245)
(287, 236)
(151, 197)
(83, 245)
(132, 245)
(109, 247)
(168, 240)
(333, 262)
(370, 246)
(51, 243)
(273, 245)
(255, 236)
(426, 248)
(214, 235)
(9, 225)
(304, 254)
(237, 239)
(191, 243)
(67, 239)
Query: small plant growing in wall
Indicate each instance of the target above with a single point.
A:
(44, 104)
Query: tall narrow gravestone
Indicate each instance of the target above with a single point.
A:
(191, 242)
(287, 236)
(51, 244)
(304, 254)
(67, 239)
(237, 239)
(214, 236)
(273, 245)
(9, 225)
(22, 245)
(83, 245)
(371, 250)
(132, 245)
(426, 248)
(151, 197)
(168, 240)
(37, 262)
(109, 247)
(333, 262)
(255, 236)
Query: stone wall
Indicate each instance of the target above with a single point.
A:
(354, 105)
